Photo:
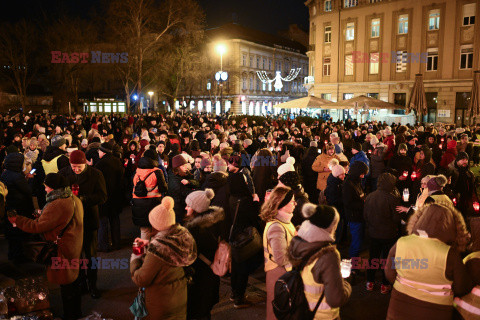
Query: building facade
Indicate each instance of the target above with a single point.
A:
(246, 52)
(375, 48)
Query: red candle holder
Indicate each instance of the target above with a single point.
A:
(476, 206)
(414, 176)
(405, 174)
(454, 200)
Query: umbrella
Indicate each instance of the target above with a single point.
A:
(302, 103)
(362, 102)
(474, 106)
(418, 100)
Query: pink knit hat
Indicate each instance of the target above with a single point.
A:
(162, 216)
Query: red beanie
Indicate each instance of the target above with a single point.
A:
(78, 157)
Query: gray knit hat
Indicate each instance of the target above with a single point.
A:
(219, 164)
(58, 141)
(199, 201)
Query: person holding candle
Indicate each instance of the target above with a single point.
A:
(463, 184)
(92, 191)
(449, 155)
(322, 272)
(160, 268)
(436, 235)
(62, 211)
(321, 166)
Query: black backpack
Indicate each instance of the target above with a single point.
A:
(140, 189)
(289, 302)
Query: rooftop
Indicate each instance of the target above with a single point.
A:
(232, 31)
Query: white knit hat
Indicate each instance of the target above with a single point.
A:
(162, 216)
(374, 141)
(215, 143)
(332, 163)
(199, 201)
(287, 166)
(338, 170)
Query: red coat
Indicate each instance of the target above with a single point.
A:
(447, 158)
(390, 143)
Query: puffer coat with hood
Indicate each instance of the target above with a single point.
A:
(314, 243)
(379, 212)
(162, 275)
(353, 195)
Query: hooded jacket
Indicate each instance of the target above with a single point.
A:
(161, 273)
(207, 229)
(353, 195)
(326, 270)
(380, 209)
(19, 195)
(218, 182)
(377, 163)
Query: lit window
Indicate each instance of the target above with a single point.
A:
(374, 63)
(350, 3)
(375, 28)
(328, 34)
(328, 5)
(326, 96)
(401, 61)
(326, 66)
(466, 57)
(350, 33)
(347, 96)
(469, 14)
(349, 65)
(434, 19)
(403, 24)
(432, 59)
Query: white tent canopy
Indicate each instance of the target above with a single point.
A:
(303, 103)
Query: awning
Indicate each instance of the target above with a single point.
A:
(362, 102)
(303, 103)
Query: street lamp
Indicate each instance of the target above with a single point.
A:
(221, 49)
(221, 76)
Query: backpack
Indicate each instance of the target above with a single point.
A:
(289, 302)
(140, 189)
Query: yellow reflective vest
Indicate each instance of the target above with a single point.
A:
(270, 264)
(50, 166)
(423, 282)
(469, 305)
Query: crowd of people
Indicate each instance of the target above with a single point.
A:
(194, 181)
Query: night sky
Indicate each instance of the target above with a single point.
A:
(265, 15)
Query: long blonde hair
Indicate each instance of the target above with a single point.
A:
(270, 207)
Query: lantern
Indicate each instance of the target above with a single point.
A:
(405, 174)
(476, 206)
(454, 200)
(440, 146)
(370, 151)
(414, 176)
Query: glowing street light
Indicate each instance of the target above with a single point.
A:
(150, 93)
(221, 49)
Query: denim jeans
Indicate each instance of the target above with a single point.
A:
(356, 231)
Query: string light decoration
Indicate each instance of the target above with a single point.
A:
(263, 76)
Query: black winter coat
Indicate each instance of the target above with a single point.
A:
(179, 192)
(333, 192)
(218, 182)
(19, 195)
(92, 192)
(309, 176)
(207, 229)
(112, 169)
(380, 215)
(353, 195)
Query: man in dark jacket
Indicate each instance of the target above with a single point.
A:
(382, 222)
(112, 170)
(180, 184)
(353, 200)
(463, 184)
(89, 184)
(333, 193)
(19, 198)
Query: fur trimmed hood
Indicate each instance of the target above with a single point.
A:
(206, 219)
(175, 246)
(300, 248)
